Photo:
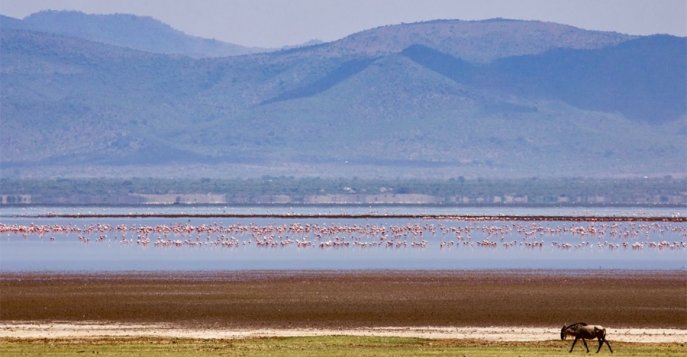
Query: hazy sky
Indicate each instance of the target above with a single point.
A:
(275, 23)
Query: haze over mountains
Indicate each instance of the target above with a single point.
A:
(137, 32)
(442, 98)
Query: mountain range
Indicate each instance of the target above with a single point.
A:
(442, 98)
(131, 31)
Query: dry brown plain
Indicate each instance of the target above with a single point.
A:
(327, 299)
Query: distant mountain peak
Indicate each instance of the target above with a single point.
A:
(142, 33)
(47, 18)
(474, 40)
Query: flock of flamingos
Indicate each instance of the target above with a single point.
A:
(566, 236)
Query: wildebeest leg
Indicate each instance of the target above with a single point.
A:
(585, 344)
(601, 343)
(573, 345)
(608, 344)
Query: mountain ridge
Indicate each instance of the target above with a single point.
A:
(582, 72)
(71, 105)
(142, 33)
(473, 40)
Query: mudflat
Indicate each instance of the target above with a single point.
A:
(350, 299)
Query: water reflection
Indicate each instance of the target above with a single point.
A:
(125, 244)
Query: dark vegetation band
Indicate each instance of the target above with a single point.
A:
(666, 191)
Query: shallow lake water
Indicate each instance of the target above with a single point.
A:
(30, 241)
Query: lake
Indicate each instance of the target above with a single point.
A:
(55, 239)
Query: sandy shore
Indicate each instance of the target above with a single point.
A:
(32, 330)
(499, 306)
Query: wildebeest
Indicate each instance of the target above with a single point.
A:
(584, 331)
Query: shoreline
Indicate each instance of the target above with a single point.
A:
(447, 217)
(267, 273)
(342, 300)
(94, 329)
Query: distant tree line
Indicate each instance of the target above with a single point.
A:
(664, 190)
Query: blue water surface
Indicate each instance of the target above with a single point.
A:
(72, 252)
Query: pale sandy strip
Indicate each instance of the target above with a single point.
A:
(95, 329)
